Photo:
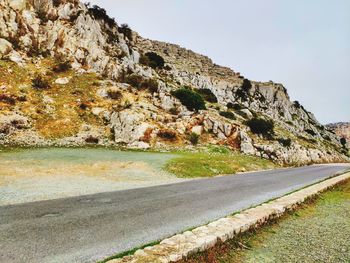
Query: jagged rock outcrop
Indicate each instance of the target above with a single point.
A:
(342, 130)
(114, 95)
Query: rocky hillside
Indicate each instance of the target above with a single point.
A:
(70, 75)
(342, 130)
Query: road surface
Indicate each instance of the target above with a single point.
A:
(90, 228)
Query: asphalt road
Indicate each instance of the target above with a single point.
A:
(90, 228)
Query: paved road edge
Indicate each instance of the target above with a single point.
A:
(202, 238)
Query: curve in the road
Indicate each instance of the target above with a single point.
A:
(89, 228)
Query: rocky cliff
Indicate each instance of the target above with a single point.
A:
(70, 75)
(342, 130)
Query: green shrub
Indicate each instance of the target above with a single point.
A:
(194, 138)
(191, 99)
(7, 99)
(134, 80)
(100, 14)
(261, 126)
(168, 135)
(140, 82)
(242, 114)
(174, 111)
(297, 104)
(56, 3)
(39, 82)
(152, 60)
(150, 84)
(247, 85)
(311, 132)
(114, 94)
(62, 66)
(285, 142)
(234, 106)
(343, 142)
(125, 29)
(91, 139)
(242, 92)
(228, 115)
(207, 95)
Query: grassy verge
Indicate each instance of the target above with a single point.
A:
(317, 232)
(212, 163)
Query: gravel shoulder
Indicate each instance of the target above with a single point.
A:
(317, 232)
(28, 175)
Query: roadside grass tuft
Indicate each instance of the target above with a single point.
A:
(209, 164)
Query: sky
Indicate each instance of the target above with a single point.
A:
(305, 45)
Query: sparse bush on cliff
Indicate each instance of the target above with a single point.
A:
(39, 82)
(126, 30)
(91, 139)
(228, 115)
(166, 134)
(207, 95)
(311, 132)
(152, 60)
(285, 142)
(343, 142)
(174, 111)
(242, 92)
(61, 66)
(140, 82)
(100, 14)
(7, 99)
(194, 138)
(261, 126)
(191, 99)
(134, 80)
(114, 94)
(234, 106)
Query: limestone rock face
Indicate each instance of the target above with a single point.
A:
(5, 47)
(342, 130)
(128, 125)
(85, 40)
(134, 101)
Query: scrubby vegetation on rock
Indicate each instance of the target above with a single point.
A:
(261, 126)
(343, 141)
(40, 82)
(242, 92)
(114, 94)
(61, 66)
(228, 115)
(285, 142)
(101, 14)
(207, 95)
(152, 60)
(191, 99)
(167, 134)
(126, 30)
(7, 99)
(194, 138)
(140, 82)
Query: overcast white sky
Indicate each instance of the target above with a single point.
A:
(303, 44)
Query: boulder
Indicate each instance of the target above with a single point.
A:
(247, 144)
(5, 47)
(128, 125)
(197, 130)
(18, 4)
(62, 81)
